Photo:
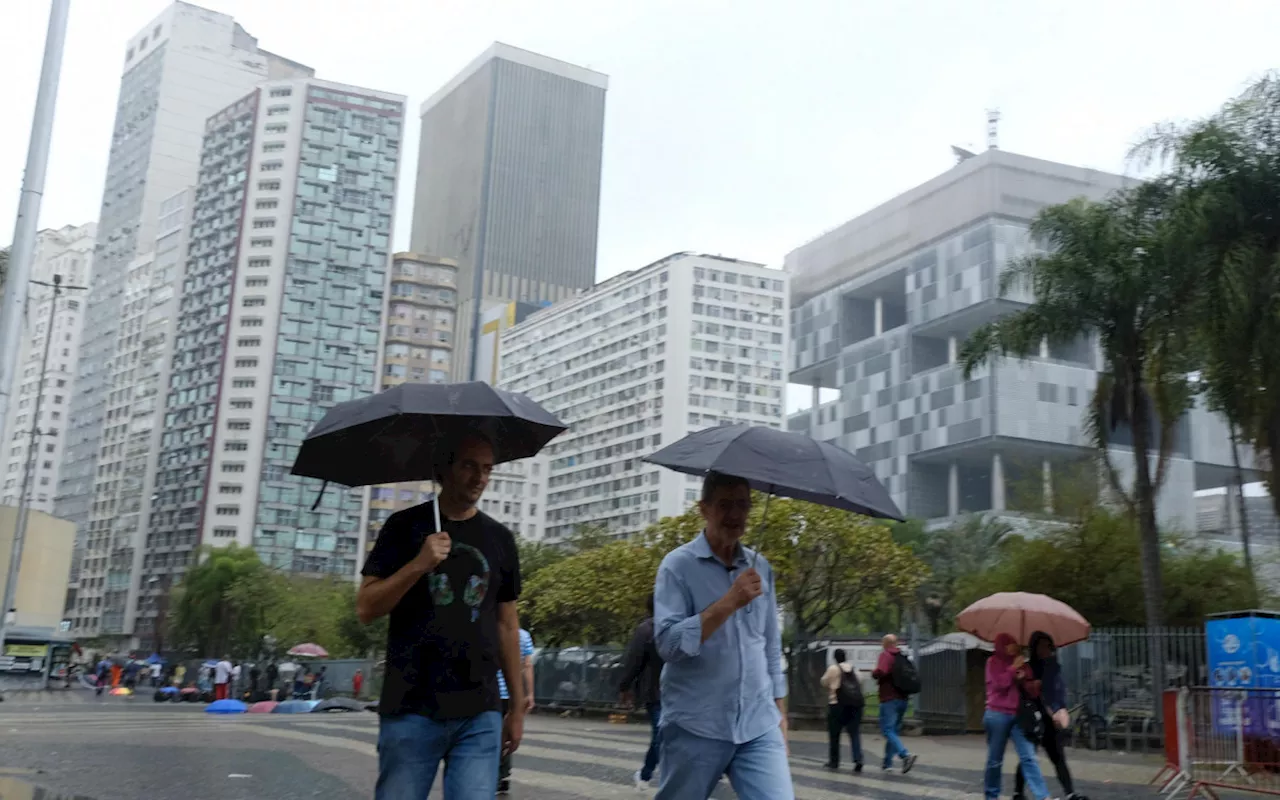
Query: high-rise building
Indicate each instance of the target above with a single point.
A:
(281, 317)
(105, 595)
(880, 308)
(509, 180)
(638, 362)
(68, 253)
(183, 66)
(417, 348)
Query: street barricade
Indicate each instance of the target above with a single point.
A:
(1224, 738)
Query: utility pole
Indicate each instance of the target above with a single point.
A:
(33, 452)
(24, 233)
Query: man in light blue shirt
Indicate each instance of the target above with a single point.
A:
(716, 613)
(526, 674)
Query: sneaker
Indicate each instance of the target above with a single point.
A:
(504, 786)
(830, 766)
(908, 763)
(641, 783)
(857, 766)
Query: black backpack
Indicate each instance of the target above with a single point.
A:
(849, 692)
(904, 676)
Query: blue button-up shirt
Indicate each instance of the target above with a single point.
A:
(724, 688)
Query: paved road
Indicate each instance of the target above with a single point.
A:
(126, 749)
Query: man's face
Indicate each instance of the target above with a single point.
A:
(726, 511)
(469, 474)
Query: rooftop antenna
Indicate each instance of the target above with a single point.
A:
(993, 123)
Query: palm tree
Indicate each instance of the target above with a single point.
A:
(1117, 271)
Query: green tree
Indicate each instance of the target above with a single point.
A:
(969, 546)
(594, 596)
(207, 615)
(1116, 270)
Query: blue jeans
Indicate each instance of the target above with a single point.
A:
(655, 738)
(892, 712)
(692, 766)
(411, 746)
(1000, 727)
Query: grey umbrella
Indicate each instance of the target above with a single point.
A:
(396, 435)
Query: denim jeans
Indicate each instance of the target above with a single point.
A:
(655, 738)
(692, 766)
(1001, 727)
(892, 712)
(411, 746)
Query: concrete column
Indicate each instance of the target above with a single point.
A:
(997, 483)
(953, 349)
(1044, 347)
(953, 490)
(879, 315)
(1046, 472)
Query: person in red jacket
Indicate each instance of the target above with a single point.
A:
(893, 707)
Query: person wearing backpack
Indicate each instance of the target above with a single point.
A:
(898, 680)
(844, 710)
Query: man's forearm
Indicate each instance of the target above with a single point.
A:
(715, 616)
(378, 598)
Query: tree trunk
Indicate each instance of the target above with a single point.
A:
(1244, 514)
(1149, 534)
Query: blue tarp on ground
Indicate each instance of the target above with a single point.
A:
(295, 707)
(226, 707)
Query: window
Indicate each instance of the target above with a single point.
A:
(275, 111)
(262, 205)
(230, 488)
(276, 127)
(248, 341)
(259, 262)
(224, 533)
(255, 282)
(268, 186)
(227, 511)
(264, 223)
(243, 383)
(271, 166)
(235, 445)
(233, 467)
(272, 147)
(282, 91)
(246, 362)
(267, 242)
(238, 424)
(253, 302)
(241, 404)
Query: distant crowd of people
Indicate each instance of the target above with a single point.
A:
(221, 679)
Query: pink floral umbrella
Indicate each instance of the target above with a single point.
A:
(1020, 614)
(309, 650)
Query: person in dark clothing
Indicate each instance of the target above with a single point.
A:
(845, 704)
(254, 676)
(641, 674)
(1047, 673)
(273, 677)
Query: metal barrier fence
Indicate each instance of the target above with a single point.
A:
(577, 677)
(1224, 738)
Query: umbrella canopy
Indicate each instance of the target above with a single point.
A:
(168, 689)
(1020, 614)
(782, 463)
(339, 704)
(309, 650)
(396, 435)
(226, 707)
(155, 658)
(295, 707)
(263, 707)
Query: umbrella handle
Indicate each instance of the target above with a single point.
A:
(435, 505)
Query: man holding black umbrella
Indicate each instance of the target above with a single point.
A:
(451, 595)
(723, 689)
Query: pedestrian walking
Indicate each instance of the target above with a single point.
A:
(1047, 674)
(103, 673)
(357, 683)
(273, 677)
(641, 685)
(723, 688)
(236, 686)
(317, 687)
(222, 679)
(526, 666)
(894, 673)
(1007, 677)
(845, 705)
(255, 675)
(451, 595)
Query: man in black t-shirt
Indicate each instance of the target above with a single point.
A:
(452, 599)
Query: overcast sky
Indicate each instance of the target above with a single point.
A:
(740, 127)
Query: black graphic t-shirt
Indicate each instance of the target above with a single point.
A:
(442, 643)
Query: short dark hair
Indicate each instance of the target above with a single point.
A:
(448, 453)
(718, 480)
(838, 655)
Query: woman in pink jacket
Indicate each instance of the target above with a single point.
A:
(1007, 671)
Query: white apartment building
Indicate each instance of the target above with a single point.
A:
(638, 362)
(68, 253)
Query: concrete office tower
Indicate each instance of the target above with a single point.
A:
(416, 348)
(880, 308)
(509, 180)
(67, 251)
(280, 318)
(638, 362)
(178, 70)
(104, 595)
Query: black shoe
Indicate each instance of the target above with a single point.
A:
(504, 787)
(831, 766)
(908, 763)
(857, 766)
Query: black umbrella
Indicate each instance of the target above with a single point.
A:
(782, 463)
(396, 435)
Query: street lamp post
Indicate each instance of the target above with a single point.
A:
(33, 452)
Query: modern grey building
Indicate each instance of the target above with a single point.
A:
(178, 70)
(880, 307)
(509, 179)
